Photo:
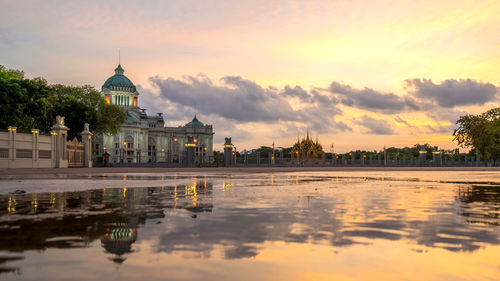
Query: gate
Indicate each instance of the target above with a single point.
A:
(75, 153)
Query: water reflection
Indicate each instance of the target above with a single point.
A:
(242, 219)
(75, 219)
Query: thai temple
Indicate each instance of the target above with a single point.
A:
(145, 138)
(306, 150)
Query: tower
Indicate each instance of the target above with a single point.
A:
(119, 90)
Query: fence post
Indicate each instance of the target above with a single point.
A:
(87, 146)
(228, 153)
(12, 146)
(422, 156)
(60, 131)
(34, 148)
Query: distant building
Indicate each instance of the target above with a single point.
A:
(306, 150)
(144, 138)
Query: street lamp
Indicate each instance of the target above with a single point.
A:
(171, 150)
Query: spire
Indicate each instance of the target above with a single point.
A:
(307, 134)
(119, 70)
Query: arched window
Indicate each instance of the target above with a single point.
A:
(129, 142)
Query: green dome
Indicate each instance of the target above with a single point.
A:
(195, 122)
(119, 82)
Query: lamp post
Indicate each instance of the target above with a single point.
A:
(272, 159)
(204, 153)
(173, 140)
(124, 151)
(331, 152)
(196, 150)
(385, 156)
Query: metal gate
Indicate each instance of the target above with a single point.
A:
(75, 153)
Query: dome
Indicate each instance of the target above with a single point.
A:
(195, 122)
(119, 82)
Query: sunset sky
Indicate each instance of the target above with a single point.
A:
(357, 74)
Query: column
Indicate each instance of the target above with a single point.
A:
(422, 155)
(87, 146)
(189, 160)
(12, 146)
(228, 153)
(34, 148)
(60, 131)
(435, 156)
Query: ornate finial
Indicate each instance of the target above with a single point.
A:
(59, 123)
(86, 127)
(60, 120)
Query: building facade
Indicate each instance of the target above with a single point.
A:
(145, 138)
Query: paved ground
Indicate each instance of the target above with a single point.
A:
(52, 172)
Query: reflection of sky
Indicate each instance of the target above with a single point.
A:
(347, 222)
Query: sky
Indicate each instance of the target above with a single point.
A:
(355, 74)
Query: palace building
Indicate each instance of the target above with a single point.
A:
(145, 138)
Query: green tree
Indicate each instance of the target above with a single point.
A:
(480, 132)
(84, 104)
(32, 103)
(25, 103)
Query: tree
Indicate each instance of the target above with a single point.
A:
(24, 103)
(33, 103)
(84, 104)
(480, 132)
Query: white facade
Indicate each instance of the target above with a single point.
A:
(144, 138)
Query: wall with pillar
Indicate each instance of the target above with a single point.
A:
(25, 150)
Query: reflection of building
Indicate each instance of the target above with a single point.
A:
(307, 150)
(118, 240)
(144, 138)
(112, 215)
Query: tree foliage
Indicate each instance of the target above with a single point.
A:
(33, 103)
(481, 132)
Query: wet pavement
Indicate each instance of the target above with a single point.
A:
(284, 226)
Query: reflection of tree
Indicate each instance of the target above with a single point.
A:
(481, 203)
(9, 269)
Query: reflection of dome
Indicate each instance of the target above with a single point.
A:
(119, 82)
(118, 240)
